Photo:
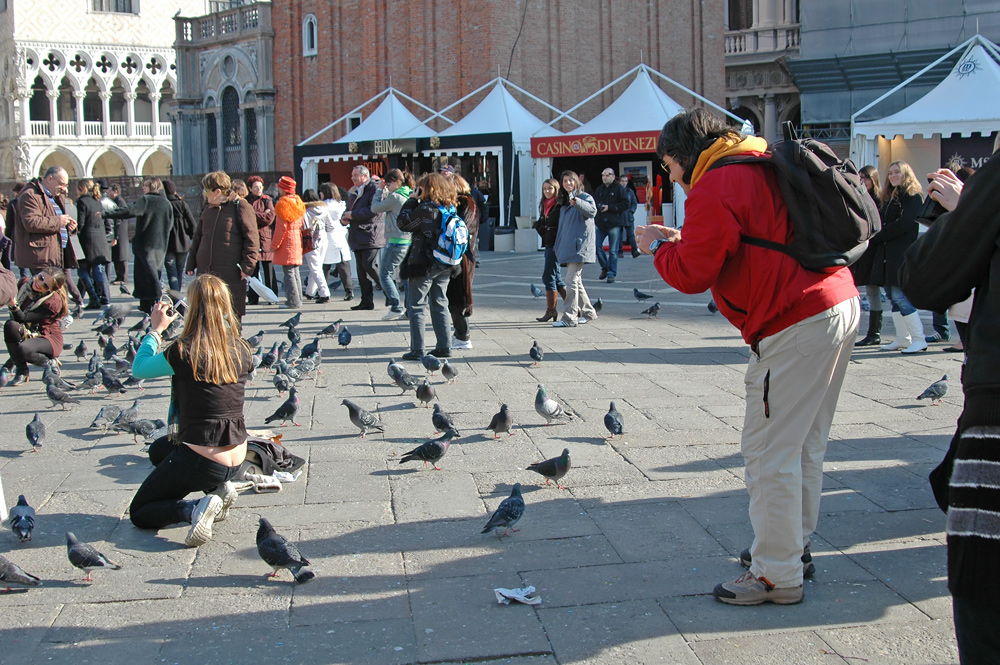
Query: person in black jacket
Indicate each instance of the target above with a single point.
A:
(94, 232)
(121, 252)
(366, 236)
(547, 227)
(612, 202)
(179, 241)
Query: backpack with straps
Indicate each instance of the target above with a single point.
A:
(453, 239)
(832, 215)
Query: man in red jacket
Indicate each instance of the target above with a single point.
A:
(800, 326)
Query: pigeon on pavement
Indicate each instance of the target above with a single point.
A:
(549, 408)
(4, 377)
(448, 371)
(502, 422)
(85, 557)
(291, 322)
(35, 431)
(537, 292)
(11, 573)
(553, 469)
(431, 363)
(640, 296)
(598, 305)
(279, 552)
(111, 382)
(331, 329)
(344, 337)
(403, 379)
(281, 382)
(255, 340)
(363, 420)
(106, 416)
(81, 350)
(129, 415)
(425, 392)
(936, 391)
(652, 311)
(57, 396)
(287, 411)
(270, 358)
(712, 307)
(311, 348)
(22, 519)
(536, 352)
(441, 420)
(507, 513)
(430, 451)
(613, 421)
(293, 335)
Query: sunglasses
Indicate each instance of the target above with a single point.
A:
(41, 278)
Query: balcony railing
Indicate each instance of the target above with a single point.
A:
(762, 40)
(166, 129)
(225, 24)
(143, 129)
(91, 128)
(39, 127)
(95, 129)
(119, 128)
(66, 128)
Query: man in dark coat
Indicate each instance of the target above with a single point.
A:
(154, 217)
(120, 252)
(366, 235)
(612, 201)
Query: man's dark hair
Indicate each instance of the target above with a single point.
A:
(687, 135)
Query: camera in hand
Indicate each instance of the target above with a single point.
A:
(930, 210)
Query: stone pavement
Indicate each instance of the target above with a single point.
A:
(624, 561)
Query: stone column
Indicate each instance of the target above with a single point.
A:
(770, 119)
(79, 95)
(154, 104)
(265, 137)
(105, 113)
(129, 114)
(220, 149)
(53, 96)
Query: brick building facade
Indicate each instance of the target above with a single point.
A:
(437, 51)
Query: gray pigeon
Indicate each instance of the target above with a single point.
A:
(57, 396)
(507, 513)
(402, 378)
(537, 292)
(640, 296)
(449, 372)
(363, 420)
(279, 552)
(11, 573)
(613, 421)
(106, 416)
(712, 307)
(281, 382)
(111, 382)
(85, 557)
(936, 391)
(653, 311)
(331, 329)
(431, 363)
(4, 377)
(92, 380)
(127, 416)
(553, 469)
(144, 428)
(430, 451)
(22, 519)
(292, 322)
(311, 348)
(598, 305)
(536, 352)
(81, 350)
(255, 340)
(293, 335)
(35, 431)
(344, 337)
(270, 358)
(293, 353)
(502, 422)
(549, 408)
(425, 392)
(288, 409)
(441, 420)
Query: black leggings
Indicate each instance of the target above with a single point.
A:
(179, 471)
(35, 350)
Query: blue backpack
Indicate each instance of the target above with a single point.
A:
(453, 239)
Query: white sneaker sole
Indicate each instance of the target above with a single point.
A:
(201, 530)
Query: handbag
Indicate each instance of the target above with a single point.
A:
(308, 244)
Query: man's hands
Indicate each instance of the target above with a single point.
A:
(945, 188)
(68, 222)
(645, 235)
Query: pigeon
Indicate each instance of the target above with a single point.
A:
(279, 552)
(22, 519)
(936, 391)
(441, 420)
(404, 380)
(331, 329)
(132, 382)
(287, 410)
(311, 364)
(613, 421)
(102, 341)
(344, 337)
(507, 513)
(598, 305)
(58, 396)
(78, 310)
(712, 307)
(293, 336)
(536, 353)
(549, 408)
(51, 375)
(92, 381)
(293, 353)
(430, 363)
(141, 324)
(281, 382)
(291, 373)
(106, 416)
(311, 348)
(270, 358)
(131, 414)
(131, 350)
(502, 422)
(640, 296)
(537, 292)
(111, 382)
(94, 363)
(81, 350)
(4, 377)
(85, 557)
(122, 289)
(425, 392)
(293, 322)
(363, 420)
(121, 364)
(431, 451)
(449, 372)
(335, 284)
(144, 428)
(35, 431)
(11, 573)
(108, 329)
(255, 340)
(553, 469)
(110, 350)
(653, 311)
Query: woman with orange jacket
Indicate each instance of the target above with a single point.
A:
(286, 242)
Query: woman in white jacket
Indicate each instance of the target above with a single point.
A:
(337, 252)
(317, 221)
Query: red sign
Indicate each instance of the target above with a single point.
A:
(594, 144)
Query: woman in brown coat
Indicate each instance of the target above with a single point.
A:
(263, 206)
(226, 240)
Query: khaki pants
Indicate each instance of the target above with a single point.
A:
(792, 388)
(577, 301)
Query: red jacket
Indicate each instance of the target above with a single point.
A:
(761, 291)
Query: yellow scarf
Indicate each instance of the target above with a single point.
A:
(725, 147)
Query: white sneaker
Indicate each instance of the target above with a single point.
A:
(392, 315)
(202, 519)
(457, 343)
(227, 492)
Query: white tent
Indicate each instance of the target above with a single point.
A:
(391, 120)
(623, 114)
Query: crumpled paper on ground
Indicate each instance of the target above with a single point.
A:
(504, 596)
(272, 483)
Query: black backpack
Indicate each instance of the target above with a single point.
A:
(833, 217)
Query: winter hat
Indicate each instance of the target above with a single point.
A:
(287, 185)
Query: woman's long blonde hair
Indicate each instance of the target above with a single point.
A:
(211, 340)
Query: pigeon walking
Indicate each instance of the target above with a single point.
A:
(403, 379)
(507, 513)
(81, 350)
(293, 335)
(613, 421)
(255, 340)
(431, 451)
(281, 382)
(441, 420)
(22, 519)
(502, 422)
(287, 411)
(11, 573)
(549, 408)
(653, 311)
(553, 469)
(279, 552)
(537, 292)
(448, 371)
(640, 296)
(425, 392)
(4, 377)
(129, 415)
(35, 431)
(536, 352)
(936, 391)
(311, 348)
(111, 382)
(431, 363)
(363, 420)
(85, 557)
(331, 329)
(106, 416)
(344, 337)
(598, 305)
(292, 322)
(270, 358)
(57, 396)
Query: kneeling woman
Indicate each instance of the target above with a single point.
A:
(208, 365)
(32, 333)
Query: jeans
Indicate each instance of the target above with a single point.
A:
(293, 286)
(173, 264)
(874, 294)
(941, 325)
(367, 274)
(976, 621)
(95, 282)
(609, 260)
(629, 231)
(159, 502)
(899, 302)
(551, 275)
(433, 287)
(392, 258)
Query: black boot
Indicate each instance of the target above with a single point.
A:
(21, 376)
(874, 337)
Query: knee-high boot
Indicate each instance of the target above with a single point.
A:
(550, 307)
(874, 336)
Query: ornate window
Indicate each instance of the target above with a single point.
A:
(213, 142)
(250, 118)
(116, 6)
(232, 142)
(740, 14)
(309, 35)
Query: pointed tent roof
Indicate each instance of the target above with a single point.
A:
(966, 101)
(500, 112)
(622, 116)
(391, 120)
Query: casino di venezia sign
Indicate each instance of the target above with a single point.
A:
(594, 144)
